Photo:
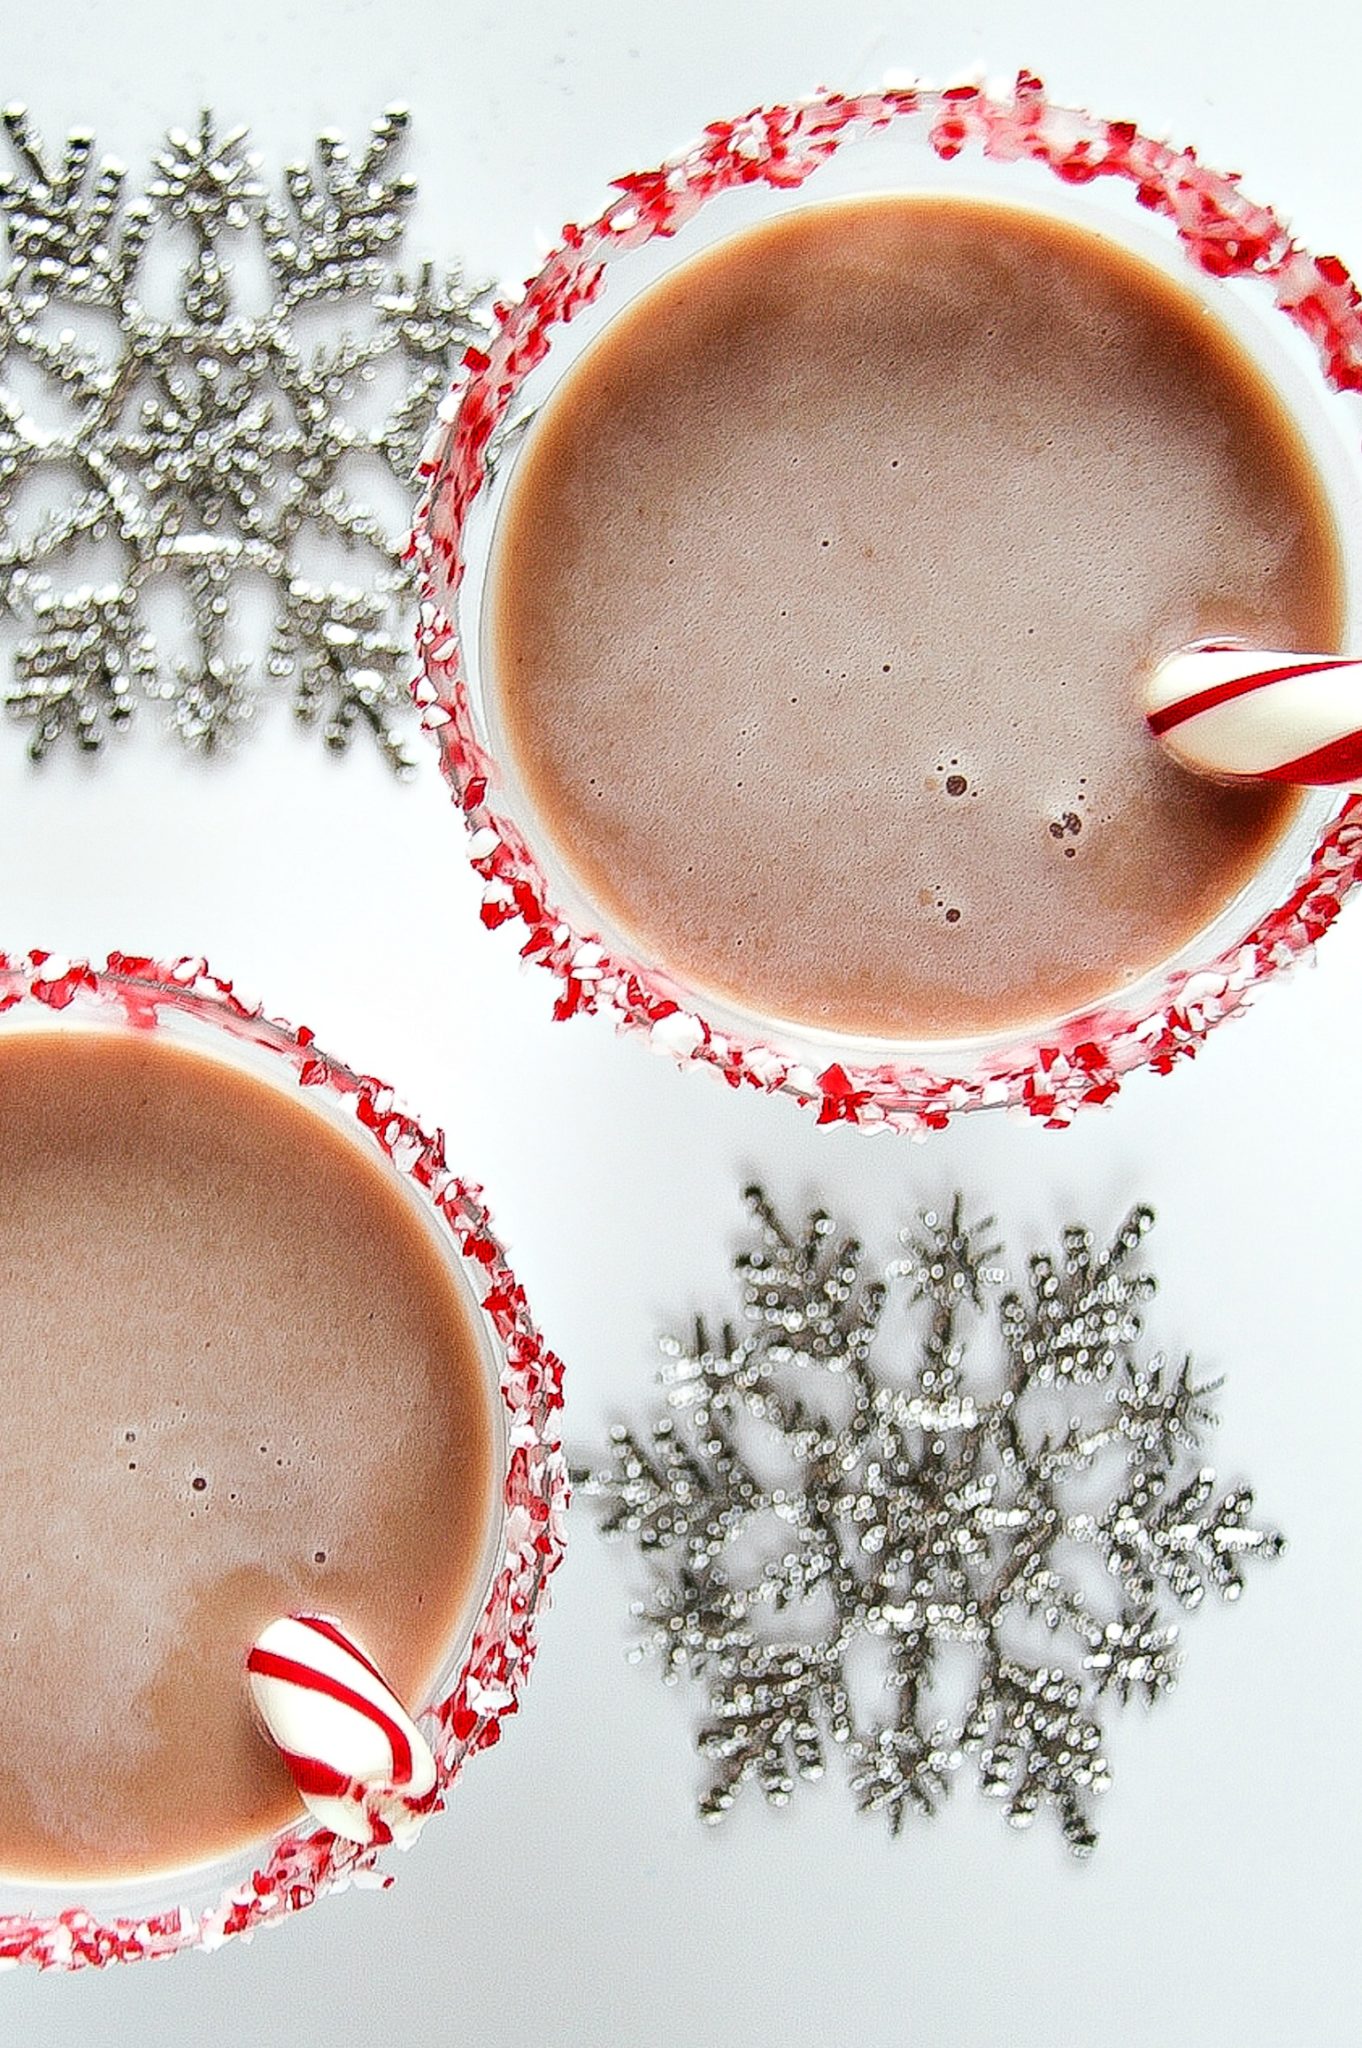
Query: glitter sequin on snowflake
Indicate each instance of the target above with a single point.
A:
(805, 1501)
(219, 451)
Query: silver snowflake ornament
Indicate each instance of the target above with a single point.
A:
(210, 441)
(806, 1500)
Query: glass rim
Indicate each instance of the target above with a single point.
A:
(477, 1685)
(1051, 1068)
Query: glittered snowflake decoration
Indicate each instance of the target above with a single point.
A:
(1011, 1545)
(207, 442)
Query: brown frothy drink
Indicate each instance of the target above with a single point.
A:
(822, 594)
(238, 1379)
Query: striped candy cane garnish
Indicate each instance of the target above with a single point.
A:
(360, 1763)
(1241, 715)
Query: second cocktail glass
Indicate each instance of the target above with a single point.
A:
(71, 1925)
(1293, 315)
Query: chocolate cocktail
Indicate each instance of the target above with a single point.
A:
(261, 1357)
(794, 559)
(869, 515)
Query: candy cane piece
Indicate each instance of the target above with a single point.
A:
(1239, 714)
(360, 1763)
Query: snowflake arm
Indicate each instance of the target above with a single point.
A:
(77, 679)
(69, 232)
(340, 215)
(692, 1622)
(1137, 1653)
(773, 1710)
(432, 319)
(905, 1766)
(1037, 1745)
(1080, 1315)
(806, 1295)
(658, 1490)
(1191, 1539)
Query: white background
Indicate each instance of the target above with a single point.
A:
(570, 1899)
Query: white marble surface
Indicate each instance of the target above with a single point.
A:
(570, 1899)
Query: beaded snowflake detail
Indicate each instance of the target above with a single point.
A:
(202, 384)
(1011, 1547)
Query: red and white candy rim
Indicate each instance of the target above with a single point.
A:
(304, 1863)
(1224, 234)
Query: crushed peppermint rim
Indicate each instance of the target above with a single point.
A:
(474, 1697)
(1048, 1071)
